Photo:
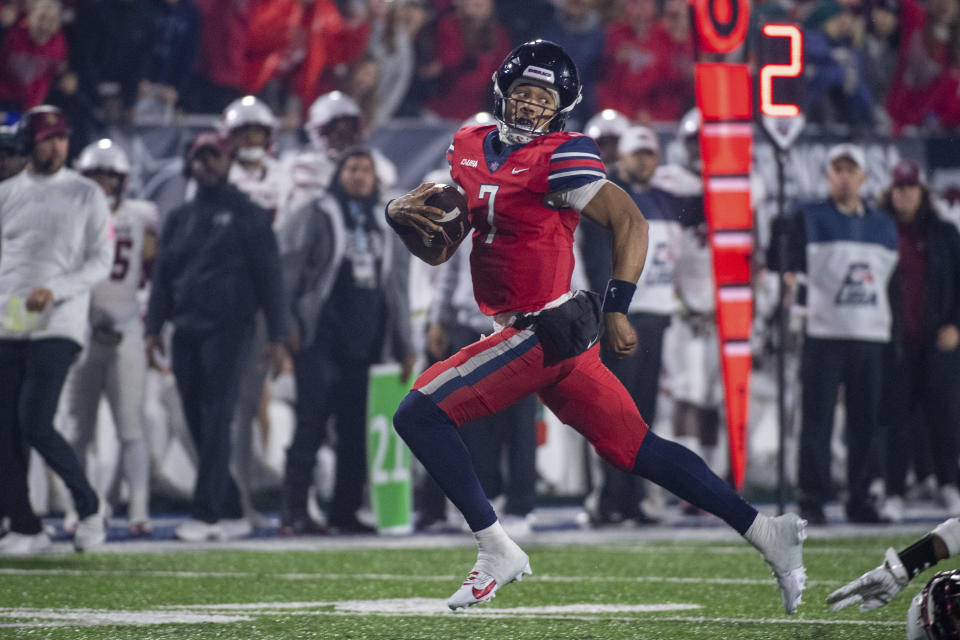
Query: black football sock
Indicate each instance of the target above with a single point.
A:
(686, 475)
(433, 438)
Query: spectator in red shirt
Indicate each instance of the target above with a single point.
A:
(635, 72)
(224, 36)
(468, 46)
(923, 87)
(33, 54)
(677, 96)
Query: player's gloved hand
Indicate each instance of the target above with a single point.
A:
(620, 337)
(874, 588)
(409, 210)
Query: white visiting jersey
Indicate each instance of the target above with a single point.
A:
(268, 186)
(116, 297)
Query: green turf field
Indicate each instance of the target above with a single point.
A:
(675, 591)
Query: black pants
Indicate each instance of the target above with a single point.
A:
(640, 374)
(509, 436)
(207, 370)
(327, 386)
(858, 366)
(919, 408)
(32, 373)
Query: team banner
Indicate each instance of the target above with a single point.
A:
(388, 458)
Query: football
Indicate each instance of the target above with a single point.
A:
(455, 220)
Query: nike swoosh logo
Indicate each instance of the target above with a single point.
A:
(516, 171)
(479, 594)
(450, 215)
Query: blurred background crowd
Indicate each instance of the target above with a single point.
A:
(324, 109)
(877, 65)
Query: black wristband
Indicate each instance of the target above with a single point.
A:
(919, 556)
(401, 229)
(618, 295)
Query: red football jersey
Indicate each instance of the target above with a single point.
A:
(522, 255)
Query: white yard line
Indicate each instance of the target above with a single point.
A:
(383, 576)
(393, 607)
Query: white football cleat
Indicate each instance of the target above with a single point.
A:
(489, 574)
(91, 531)
(781, 543)
(23, 544)
(198, 531)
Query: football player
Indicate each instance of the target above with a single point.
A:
(877, 587)
(12, 158)
(606, 128)
(250, 126)
(334, 123)
(527, 182)
(114, 363)
(934, 612)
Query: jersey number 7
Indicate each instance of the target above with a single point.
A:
(491, 190)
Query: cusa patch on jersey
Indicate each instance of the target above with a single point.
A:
(539, 73)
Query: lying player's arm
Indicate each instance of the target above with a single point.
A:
(413, 222)
(614, 209)
(878, 587)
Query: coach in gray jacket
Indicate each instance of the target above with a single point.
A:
(347, 274)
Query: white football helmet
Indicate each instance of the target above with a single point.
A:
(608, 122)
(479, 118)
(325, 110)
(689, 124)
(244, 112)
(935, 613)
(103, 155)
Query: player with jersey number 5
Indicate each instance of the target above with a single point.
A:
(527, 182)
(114, 363)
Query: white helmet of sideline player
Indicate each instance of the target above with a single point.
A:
(105, 157)
(608, 122)
(326, 109)
(479, 118)
(249, 111)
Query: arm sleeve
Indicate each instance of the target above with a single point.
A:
(574, 164)
(267, 275)
(949, 532)
(98, 251)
